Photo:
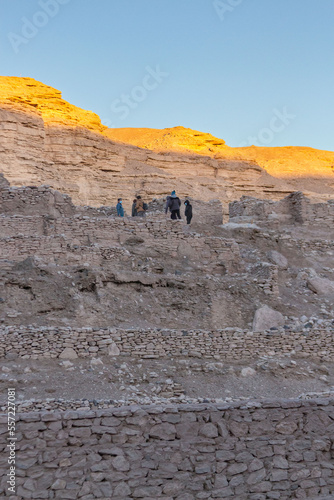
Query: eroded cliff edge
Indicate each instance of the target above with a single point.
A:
(45, 140)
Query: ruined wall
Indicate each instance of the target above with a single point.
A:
(3, 182)
(42, 200)
(271, 450)
(294, 209)
(231, 344)
(32, 200)
(67, 240)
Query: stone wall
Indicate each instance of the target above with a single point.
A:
(266, 277)
(43, 200)
(231, 344)
(251, 451)
(41, 222)
(294, 209)
(66, 240)
(32, 200)
(3, 182)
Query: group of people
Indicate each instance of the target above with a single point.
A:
(139, 207)
(173, 204)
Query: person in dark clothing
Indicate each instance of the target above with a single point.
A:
(119, 208)
(174, 204)
(134, 210)
(188, 211)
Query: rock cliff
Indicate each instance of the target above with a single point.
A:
(45, 140)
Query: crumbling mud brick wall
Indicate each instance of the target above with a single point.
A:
(271, 450)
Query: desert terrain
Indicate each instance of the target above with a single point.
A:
(150, 358)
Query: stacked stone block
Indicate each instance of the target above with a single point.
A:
(231, 344)
(256, 451)
(57, 239)
(294, 209)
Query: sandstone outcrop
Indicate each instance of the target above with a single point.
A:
(303, 168)
(48, 103)
(45, 140)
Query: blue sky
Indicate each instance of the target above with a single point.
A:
(248, 71)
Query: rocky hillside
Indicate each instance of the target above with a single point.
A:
(45, 140)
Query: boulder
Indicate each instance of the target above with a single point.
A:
(321, 286)
(266, 318)
(68, 353)
(248, 372)
(278, 259)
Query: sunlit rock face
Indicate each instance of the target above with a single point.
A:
(46, 140)
(177, 139)
(314, 168)
(47, 101)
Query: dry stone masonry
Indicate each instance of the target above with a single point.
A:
(230, 344)
(270, 450)
(77, 283)
(296, 208)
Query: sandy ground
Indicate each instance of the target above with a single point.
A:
(126, 379)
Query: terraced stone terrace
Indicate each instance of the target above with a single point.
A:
(151, 359)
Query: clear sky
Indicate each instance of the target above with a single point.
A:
(248, 71)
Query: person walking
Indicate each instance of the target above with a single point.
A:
(188, 211)
(174, 204)
(119, 208)
(140, 207)
(134, 210)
